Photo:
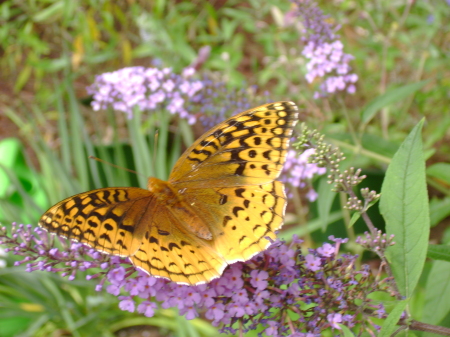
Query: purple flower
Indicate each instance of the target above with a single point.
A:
(334, 320)
(215, 312)
(337, 240)
(326, 250)
(312, 263)
(260, 296)
(126, 303)
(259, 279)
(298, 172)
(381, 311)
(190, 312)
(147, 308)
(116, 275)
(252, 309)
(272, 330)
(192, 297)
(135, 286)
(114, 289)
(240, 296)
(236, 310)
(323, 49)
(207, 296)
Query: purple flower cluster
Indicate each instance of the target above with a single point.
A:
(325, 60)
(323, 49)
(40, 253)
(206, 100)
(321, 290)
(147, 89)
(216, 102)
(298, 172)
(376, 242)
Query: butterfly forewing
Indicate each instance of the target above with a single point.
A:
(111, 220)
(247, 149)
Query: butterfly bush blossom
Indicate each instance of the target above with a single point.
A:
(298, 172)
(319, 289)
(148, 89)
(323, 49)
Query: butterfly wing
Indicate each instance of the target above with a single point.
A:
(246, 149)
(130, 222)
(242, 219)
(111, 220)
(228, 178)
(169, 250)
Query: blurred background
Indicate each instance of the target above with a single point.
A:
(245, 54)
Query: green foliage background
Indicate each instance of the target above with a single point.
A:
(51, 50)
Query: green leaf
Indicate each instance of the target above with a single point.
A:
(51, 13)
(306, 229)
(439, 252)
(324, 202)
(391, 96)
(404, 206)
(440, 171)
(439, 210)
(390, 324)
(437, 293)
(347, 332)
(23, 78)
(354, 218)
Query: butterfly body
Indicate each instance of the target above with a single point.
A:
(180, 209)
(220, 205)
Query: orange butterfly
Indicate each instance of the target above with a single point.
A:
(220, 204)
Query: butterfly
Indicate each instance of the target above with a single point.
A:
(221, 203)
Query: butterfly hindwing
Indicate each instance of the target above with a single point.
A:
(243, 219)
(169, 250)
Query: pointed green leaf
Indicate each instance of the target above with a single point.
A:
(440, 171)
(324, 202)
(439, 252)
(354, 218)
(390, 324)
(391, 96)
(439, 210)
(404, 206)
(437, 293)
(347, 332)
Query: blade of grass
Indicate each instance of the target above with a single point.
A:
(140, 148)
(59, 182)
(186, 132)
(31, 205)
(121, 177)
(161, 155)
(175, 150)
(83, 147)
(62, 305)
(63, 130)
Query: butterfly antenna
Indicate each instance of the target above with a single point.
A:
(113, 165)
